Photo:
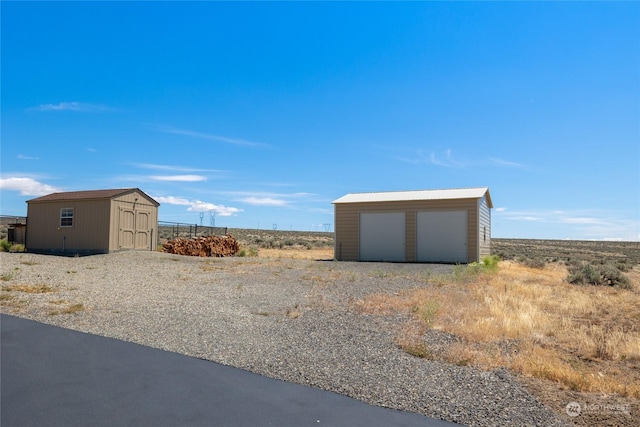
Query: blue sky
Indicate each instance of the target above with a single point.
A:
(265, 113)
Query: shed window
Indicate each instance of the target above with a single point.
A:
(66, 217)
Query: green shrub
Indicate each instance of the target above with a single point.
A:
(426, 311)
(269, 244)
(463, 273)
(17, 247)
(5, 245)
(248, 252)
(490, 262)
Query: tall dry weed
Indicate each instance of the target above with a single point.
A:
(532, 321)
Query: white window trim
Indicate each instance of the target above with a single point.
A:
(72, 217)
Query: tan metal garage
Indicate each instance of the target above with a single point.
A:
(450, 225)
(96, 221)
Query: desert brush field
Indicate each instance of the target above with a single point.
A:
(564, 339)
(562, 317)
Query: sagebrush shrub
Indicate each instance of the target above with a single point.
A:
(612, 276)
(603, 275)
(535, 262)
(623, 266)
(583, 274)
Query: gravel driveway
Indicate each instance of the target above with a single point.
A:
(283, 318)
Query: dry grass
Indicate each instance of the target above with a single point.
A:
(11, 301)
(29, 289)
(75, 308)
(5, 277)
(4, 297)
(293, 312)
(532, 322)
(313, 253)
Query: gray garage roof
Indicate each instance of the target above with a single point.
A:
(401, 196)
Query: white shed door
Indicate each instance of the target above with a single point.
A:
(382, 236)
(441, 236)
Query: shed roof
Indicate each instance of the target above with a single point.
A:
(89, 195)
(402, 196)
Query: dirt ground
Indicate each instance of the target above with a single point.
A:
(314, 253)
(595, 409)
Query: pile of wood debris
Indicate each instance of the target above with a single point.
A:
(212, 246)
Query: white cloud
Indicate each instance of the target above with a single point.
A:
(171, 168)
(27, 186)
(265, 198)
(500, 209)
(443, 159)
(501, 162)
(447, 159)
(198, 205)
(263, 201)
(585, 224)
(179, 178)
(23, 157)
(170, 200)
(581, 220)
(91, 150)
(211, 137)
(72, 106)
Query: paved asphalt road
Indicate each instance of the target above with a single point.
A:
(52, 376)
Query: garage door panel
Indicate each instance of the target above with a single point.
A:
(382, 236)
(441, 236)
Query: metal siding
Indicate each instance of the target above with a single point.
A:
(410, 235)
(347, 223)
(472, 231)
(484, 221)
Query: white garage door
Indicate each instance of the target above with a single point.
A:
(382, 236)
(441, 236)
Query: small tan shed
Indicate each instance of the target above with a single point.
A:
(448, 226)
(89, 222)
